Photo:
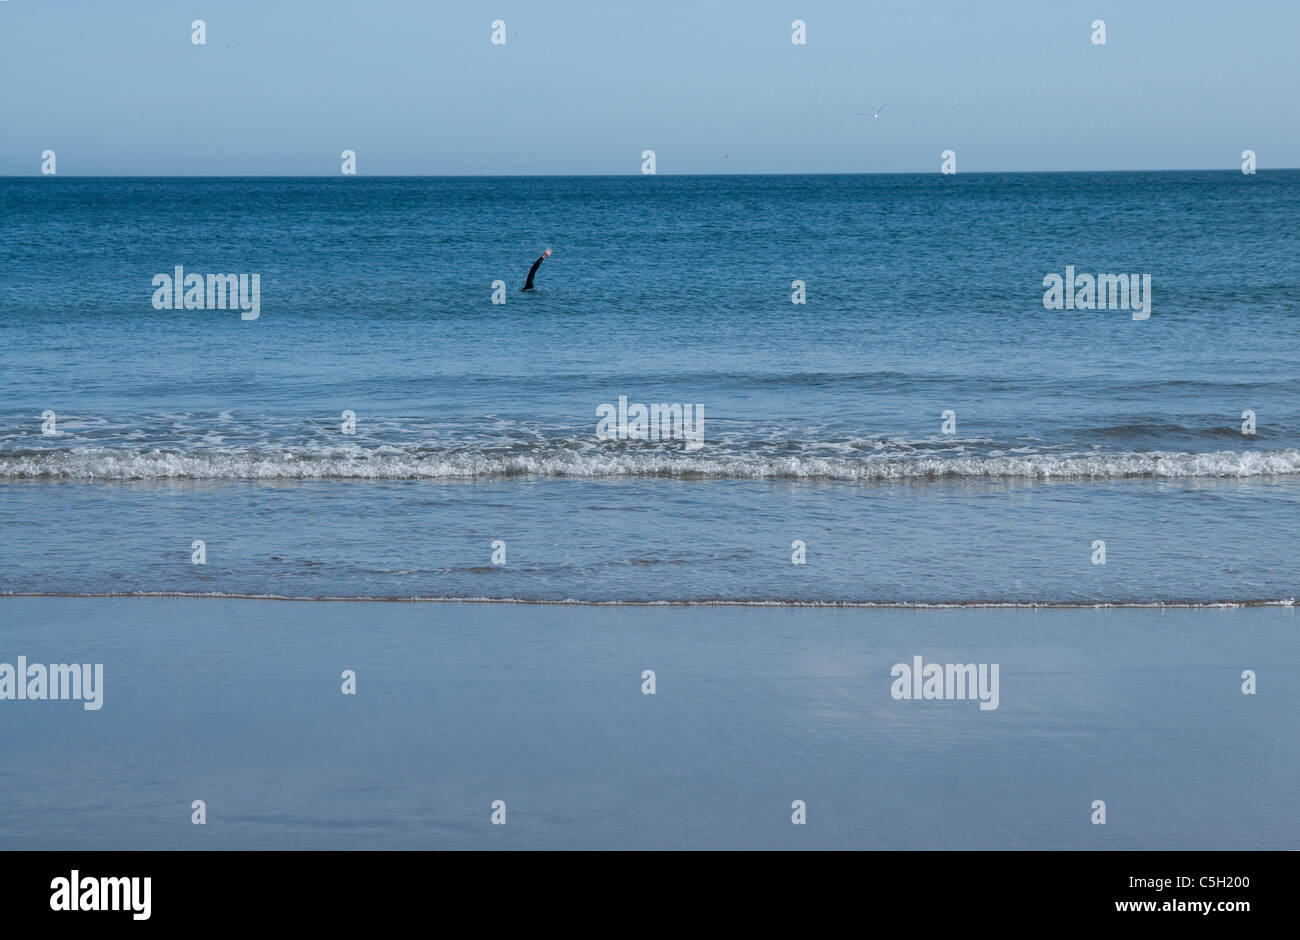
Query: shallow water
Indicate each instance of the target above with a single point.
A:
(239, 704)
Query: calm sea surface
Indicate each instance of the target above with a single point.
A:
(477, 423)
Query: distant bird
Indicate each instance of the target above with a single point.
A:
(877, 114)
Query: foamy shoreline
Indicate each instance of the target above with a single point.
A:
(701, 602)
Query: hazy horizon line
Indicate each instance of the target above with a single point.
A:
(16, 176)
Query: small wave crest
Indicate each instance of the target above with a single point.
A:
(91, 464)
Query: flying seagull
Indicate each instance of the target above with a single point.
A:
(878, 110)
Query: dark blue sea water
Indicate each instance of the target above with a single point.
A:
(822, 422)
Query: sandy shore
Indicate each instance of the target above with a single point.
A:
(238, 703)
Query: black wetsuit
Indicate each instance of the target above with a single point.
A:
(532, 272)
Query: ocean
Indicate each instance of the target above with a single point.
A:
(921, 429)
(370, 408)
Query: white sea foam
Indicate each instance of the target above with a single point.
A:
(98, 463)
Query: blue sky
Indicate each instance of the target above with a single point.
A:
(583, 87)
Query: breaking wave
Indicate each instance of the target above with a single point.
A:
(99, 463)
